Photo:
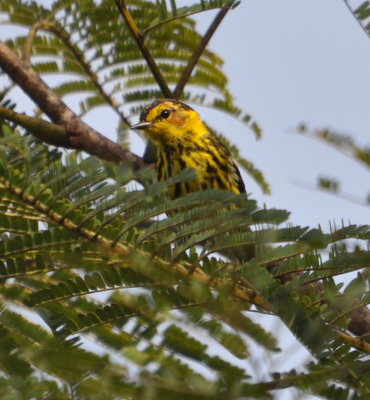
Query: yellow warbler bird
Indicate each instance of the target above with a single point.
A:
(184, 141)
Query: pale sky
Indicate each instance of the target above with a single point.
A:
(293, 61)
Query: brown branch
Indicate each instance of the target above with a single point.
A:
(356, 342)
(70, 132)
(150, 150)
(169, 20)
(46, 131)
(140, 41)
(79, 135)
(359, 316)
(125, 250)
(360, 322)
(27, 48)
(186, 73)
(65, 38)
(333, 373)
(61, 34)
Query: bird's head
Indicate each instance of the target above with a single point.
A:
(166, 121)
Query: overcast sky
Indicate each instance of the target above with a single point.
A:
(288, 62)
(293, 61)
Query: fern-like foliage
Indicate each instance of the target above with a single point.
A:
(166, 15)
(361, 11)
(111, 290)
(346, 145)
(90, 253)
(88, 42)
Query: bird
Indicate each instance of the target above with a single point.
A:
(184, 141)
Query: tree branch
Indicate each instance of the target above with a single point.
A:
(359, 316)
(140, 41)
(61, 34)
(79, 135)
(360, 322)
(332, 373)
(186, 73)
(67, 130)
(363, 27)
(46, 131)
(65, 38)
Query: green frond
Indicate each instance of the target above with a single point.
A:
(362, 14)
(109, 278)
(109, 289)
(235, 317)
(103, 69)
(101, 28)
(230, 340)
(88, 212)
(181, 342)
(345, 144)
(342, 142)
(166, 15)
(305, 322)
(35, 342)
(10, 356)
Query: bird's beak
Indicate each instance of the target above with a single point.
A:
(141, 125)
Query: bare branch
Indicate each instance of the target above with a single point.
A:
(140, 41)
(364, 26)
(65, 38)
(67, 130)
(27, 48)
(331, 373)
(46, 131)
(198, 53)
(360, 322)
(79, 135)
(61, 34)
(169, 20)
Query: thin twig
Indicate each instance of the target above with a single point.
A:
(367, 32)
(331, 373)
(65, 38)
(167, 21)
(121, 249)
(139, 39)
(80, 136)
(198, 53)
(357, 306)
(350, 149)
(46, 131)
(27, 48)
(340, 195)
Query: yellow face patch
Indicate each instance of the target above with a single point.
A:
(154, 112)
(165, 109)
(178, 118)
(170, 120)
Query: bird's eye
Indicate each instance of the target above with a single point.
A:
(165, 114)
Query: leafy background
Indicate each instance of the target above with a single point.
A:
(213, 330)
(312, 68)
